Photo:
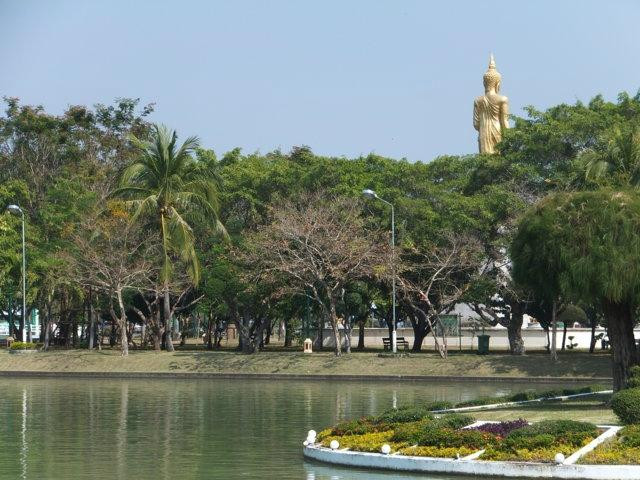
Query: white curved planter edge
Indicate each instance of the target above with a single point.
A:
(470, 466)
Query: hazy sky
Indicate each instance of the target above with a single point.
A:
(345, 77)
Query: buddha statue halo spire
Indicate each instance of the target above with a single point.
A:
(492, 77)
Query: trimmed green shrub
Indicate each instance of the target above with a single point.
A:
(530, 442)
(427, 435)
(587, 389)
(369, 442)
(626, 405)
(404, 415)
(23, 346)
(634, 382)
(480, 401)
(433, 406)
(522, 396)
(567, 432)
(452, 420)
(441, 431)
(630, 436)
(409, 432)
(359, 426)
(551, 393)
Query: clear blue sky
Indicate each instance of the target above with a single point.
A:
(345, 77)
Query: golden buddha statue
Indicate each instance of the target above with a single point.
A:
(490, 111)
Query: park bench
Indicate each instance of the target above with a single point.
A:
(400, 342)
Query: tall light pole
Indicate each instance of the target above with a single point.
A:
(371, 194)
(15, 209)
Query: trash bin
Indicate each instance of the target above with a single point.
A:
(483, 344)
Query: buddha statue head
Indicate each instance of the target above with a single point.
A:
(491, 79)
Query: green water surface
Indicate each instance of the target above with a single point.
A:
(192, 429)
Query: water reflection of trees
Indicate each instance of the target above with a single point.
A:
(105, 429)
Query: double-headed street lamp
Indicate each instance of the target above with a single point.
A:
(371, 194)
(15, 209)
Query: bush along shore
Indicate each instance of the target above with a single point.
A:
(422, 431)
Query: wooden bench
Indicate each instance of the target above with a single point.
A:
(400, 342)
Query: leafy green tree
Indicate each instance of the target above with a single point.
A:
(585, 246)
(618, 161)
(166, 187)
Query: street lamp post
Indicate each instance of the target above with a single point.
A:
(15, 209)
(371, 194)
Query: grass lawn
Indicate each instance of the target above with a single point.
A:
(569, 364)
(590, 409)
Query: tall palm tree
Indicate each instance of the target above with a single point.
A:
(166, 186)
(619, 162)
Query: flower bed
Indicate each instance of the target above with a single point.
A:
(416, 432)
(540, 442)
(623, 449)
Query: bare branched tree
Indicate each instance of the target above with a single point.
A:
(112, 256)
(433, 279)
(314, 247)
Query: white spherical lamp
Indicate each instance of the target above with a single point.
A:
(559, 458)
(386, 449)
(334, 445)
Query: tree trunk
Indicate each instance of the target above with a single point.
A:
(74, 329)
(319, 343)
(157, 329)
(288, 337)
(143, 335)
(347, 334)
(334, 326)
(268, 333)
(418, 339)
(361, 334)
(168, 343)
(420, 332)
(114, 331)
(92, 324)
(23, 333)
(514, 330)
(623, 345)
(47, 327)
(554, 331)
(592, 343)
(564, 336)
(209, 334)
(546, 330)
(122, 325)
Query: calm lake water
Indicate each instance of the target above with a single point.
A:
(191, 429)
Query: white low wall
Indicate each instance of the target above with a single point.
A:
(471, 467)
(534, 339)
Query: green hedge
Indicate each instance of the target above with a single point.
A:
(360, 426)
(634, 382)
(404, 414)
(626, 405)
(548, 432)
(530, 395)
(23, 346)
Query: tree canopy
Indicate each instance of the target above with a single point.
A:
(585, 246)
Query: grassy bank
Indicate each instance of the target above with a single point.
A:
(569, 365)
(593, 409)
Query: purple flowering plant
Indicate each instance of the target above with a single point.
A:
(501, 429)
